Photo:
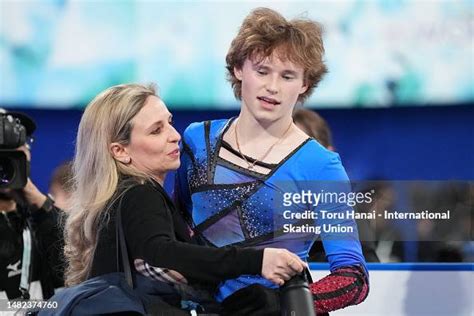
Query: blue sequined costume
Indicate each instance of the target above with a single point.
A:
(230, 205)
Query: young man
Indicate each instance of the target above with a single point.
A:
(234, 172)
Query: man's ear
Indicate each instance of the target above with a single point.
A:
(304, 88)
(120, 153)
(238, 73)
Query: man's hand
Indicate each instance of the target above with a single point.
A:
(32, 195)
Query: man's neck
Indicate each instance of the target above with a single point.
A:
(251, 129)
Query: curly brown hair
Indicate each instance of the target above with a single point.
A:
(264, 32)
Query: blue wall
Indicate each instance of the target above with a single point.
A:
(409, 143)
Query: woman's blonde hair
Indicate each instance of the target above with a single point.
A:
(265, 31)
(106, 119)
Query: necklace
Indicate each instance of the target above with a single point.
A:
(250, 166)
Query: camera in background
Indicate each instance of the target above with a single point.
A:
(15, 131)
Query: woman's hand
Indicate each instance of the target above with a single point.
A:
(279, 265)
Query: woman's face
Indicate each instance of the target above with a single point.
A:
(153, 146)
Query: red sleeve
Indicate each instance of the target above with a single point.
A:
(344, 287)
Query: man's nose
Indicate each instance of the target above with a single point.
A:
(272, 85)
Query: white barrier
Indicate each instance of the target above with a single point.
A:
(413, 290)
(407, 289)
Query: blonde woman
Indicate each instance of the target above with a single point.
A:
(126, 144)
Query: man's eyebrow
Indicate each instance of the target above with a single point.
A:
(265, 67)
(290, 72)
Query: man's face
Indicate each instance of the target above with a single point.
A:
(270, 88)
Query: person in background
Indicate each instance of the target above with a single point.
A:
(30, 237)
(60, 185)
(315, 126)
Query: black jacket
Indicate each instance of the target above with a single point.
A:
(156, 232)
(47, 264)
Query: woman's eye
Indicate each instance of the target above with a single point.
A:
(287, 77)
(156, 131)
(261, 72)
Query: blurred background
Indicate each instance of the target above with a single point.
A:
(398, 97)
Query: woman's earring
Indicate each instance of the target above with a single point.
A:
(127, 160)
